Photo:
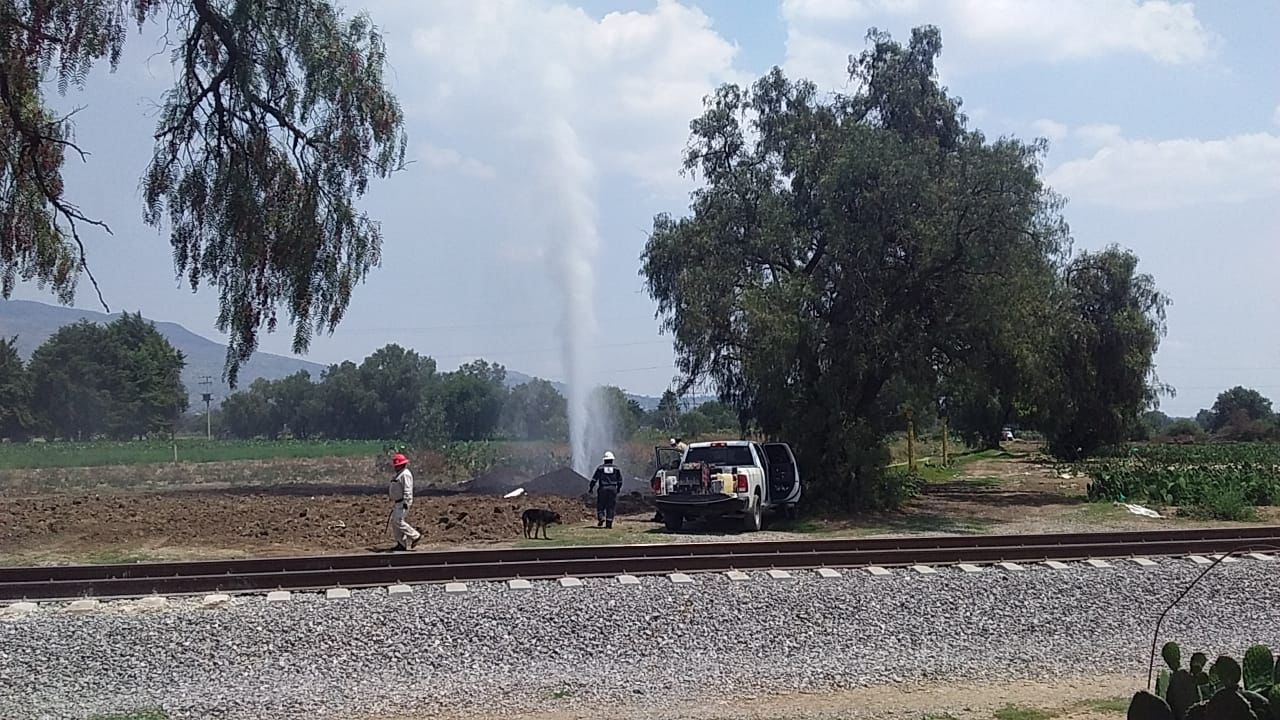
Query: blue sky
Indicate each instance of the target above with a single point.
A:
(529, 121)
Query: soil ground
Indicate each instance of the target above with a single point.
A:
(180, 511)
(1092, 697)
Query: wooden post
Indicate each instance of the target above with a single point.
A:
(911, 441)
(946, 457)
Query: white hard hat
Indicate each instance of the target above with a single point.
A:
(608, 457)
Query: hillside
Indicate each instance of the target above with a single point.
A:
(34, 322)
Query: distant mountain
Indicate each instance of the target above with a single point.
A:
(34, 322)
(515, 378)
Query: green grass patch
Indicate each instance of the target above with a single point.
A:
(1109, 706)
(147, 714)
(931, 470)
(1221, 502)
(1019, 712)
(37, 455)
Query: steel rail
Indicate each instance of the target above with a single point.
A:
(321, 571)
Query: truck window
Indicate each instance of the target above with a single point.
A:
(728, 455)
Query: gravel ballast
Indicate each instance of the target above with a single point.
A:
(492, 651)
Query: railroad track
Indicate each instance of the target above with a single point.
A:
(372, 569)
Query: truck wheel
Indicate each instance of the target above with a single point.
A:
(755, 516)
(673, 521)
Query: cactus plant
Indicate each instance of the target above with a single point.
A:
(1198, 661)
(1182, 693)
(1259, 666)
(1206, 685)
(1145, 706)
(1228, 704)
(1213, 691)
(1172, 655)
(1225, 673)
(1258, 704)
(1162, 683)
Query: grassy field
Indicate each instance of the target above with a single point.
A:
(25, 456)
(457, 460)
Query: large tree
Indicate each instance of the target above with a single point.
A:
(277, 120)
(1239, 403)
(1111, 319)
(610, 408)
(248, 413)
(535, 411)
(71, 382)
(840, 242)
(16, 421)
(397, 379)
(465, 404)
(295, 405)
(151, 396)
(667, 414)
(121, 380)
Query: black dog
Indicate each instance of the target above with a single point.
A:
(536, 519)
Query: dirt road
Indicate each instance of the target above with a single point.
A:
(1092, 697)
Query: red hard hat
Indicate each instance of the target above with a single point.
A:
(399, 460)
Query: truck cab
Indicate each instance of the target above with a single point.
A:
(738, 479)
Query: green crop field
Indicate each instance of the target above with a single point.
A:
(18, 456)
(1223, 481)
(1258, 452)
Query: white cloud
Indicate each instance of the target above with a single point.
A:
(1152, 175)
(1051, 130)
(630, 82)
(449, 159)
(993, 33)
(1098, 135)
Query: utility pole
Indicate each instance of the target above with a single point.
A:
(207, 381)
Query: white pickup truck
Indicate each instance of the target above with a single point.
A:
(732, 478)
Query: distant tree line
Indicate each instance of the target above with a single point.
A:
(120, 381)
(396, 393)
(1239, 414)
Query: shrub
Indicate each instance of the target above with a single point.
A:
(1221, 502)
